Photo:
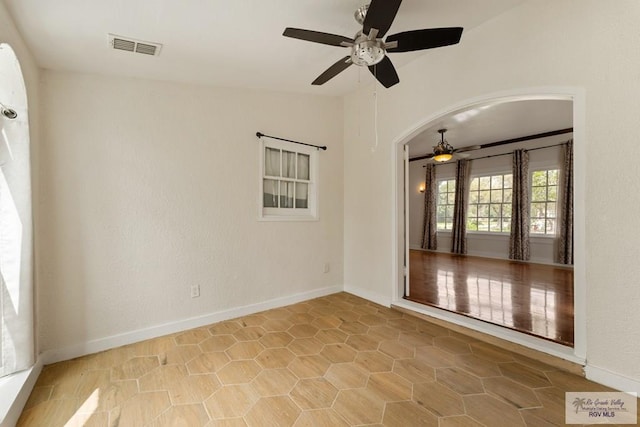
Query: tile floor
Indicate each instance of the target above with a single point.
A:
(332, 361)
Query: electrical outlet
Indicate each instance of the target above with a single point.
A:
(195, 291)
(327, 267)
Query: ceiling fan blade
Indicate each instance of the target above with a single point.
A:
(424, 39)
(333, 71)
(385, 72)
(380, 16)
(316, 37)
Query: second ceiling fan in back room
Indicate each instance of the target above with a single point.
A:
(367, 47)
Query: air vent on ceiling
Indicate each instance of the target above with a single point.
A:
(133, 45)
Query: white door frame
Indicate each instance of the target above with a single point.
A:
(400, 242)
(406, 269)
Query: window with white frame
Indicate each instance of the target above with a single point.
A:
(288, 181)
(544, 198)
(490, 203)
(446, 201)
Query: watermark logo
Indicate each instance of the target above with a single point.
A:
(601, 408)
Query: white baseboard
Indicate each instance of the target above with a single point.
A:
(101, 344)
(368, 295)
(15, 390)
(611, 379)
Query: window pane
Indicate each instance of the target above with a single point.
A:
(551, 226)
(474, 184)
(551, 210)
(270, 193)
(490, 206)
(271, 162)
(451, 198)
(286, 194)
(538, 194)
(473, 197)
(485, 182)
(451, 185)
(544, 194)
(537, 226)
(303, 166)
(442, 187)
(449, 211)
(288, 164)
(442, 198)
(302, 195)
(537, 210)
(539, 178)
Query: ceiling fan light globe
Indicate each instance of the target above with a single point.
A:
(444, 157)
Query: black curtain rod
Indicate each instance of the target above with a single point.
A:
(508, 154)
(319, 147)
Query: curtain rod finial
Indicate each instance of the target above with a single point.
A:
(259, 134)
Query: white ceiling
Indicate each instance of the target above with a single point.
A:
(240, 44)
(493, 122)
(224, 43)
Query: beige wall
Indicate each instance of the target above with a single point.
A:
(151, 187)
(590, 45)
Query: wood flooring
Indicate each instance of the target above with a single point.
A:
(338, 360)
(533, 298)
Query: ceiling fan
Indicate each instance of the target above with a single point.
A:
(443, 152)
(368, 48)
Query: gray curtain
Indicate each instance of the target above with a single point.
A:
(519, 238)
(565, 243)
(459, 230)
(429, 235)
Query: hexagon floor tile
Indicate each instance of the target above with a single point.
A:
(337, 360)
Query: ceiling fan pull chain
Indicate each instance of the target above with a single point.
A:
(375, 109)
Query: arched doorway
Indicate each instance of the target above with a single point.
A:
(403, 237)
(16, 259)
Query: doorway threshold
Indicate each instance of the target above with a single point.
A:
(551, 353)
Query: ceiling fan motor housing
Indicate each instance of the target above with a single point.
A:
(367, 52)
